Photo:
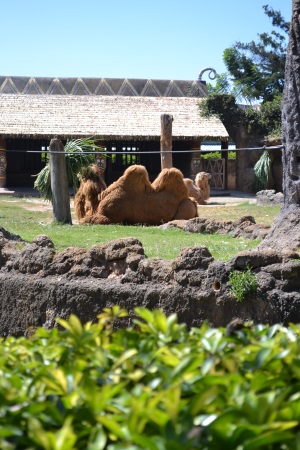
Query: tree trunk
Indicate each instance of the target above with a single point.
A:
(285, 233)
(59, 183)
(291, 114)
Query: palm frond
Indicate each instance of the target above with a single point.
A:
(43, 183)
(262, 170)
(79, 153)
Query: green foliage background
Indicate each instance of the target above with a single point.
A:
(257, 68)
(255, 74)
(265, 121)
(153, 386)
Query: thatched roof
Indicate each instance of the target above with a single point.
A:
(104, 117)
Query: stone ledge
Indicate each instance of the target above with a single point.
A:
(39, 284)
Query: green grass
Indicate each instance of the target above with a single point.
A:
(30, 217)
(261, 214)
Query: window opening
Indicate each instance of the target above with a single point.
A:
(114, 156)
(125, 155)
(44, 155)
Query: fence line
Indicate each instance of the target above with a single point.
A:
(133, 152)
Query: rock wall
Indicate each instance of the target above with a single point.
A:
(39, 284)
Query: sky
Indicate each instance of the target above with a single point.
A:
(151, 39)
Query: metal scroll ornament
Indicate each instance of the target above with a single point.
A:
(212, 73)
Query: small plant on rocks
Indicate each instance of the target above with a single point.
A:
(242, 284)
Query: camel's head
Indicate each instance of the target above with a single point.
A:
(92, 172)
(202, 178)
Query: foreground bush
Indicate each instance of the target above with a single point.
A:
(155, 386)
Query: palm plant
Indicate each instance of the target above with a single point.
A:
(79, 153)
(261, 171)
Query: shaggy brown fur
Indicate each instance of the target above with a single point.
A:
(200, 190)
(171, 180)
(133, 200)
(91, 185)
(193, 191)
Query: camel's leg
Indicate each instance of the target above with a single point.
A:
(99, 219)
(79, 206)
(96, 219)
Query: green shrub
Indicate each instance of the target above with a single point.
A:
(153, 386)
(242, 284)
(223, 106)
(271, 116)
(217, 155)
(211, 155)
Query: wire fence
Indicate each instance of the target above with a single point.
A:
(131, 152)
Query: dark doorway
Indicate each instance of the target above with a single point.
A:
(22, 162)
(126, 153)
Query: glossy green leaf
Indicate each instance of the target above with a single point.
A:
(159, 386)
(9, 430)
(145, 314)
(267, 439)
(110, 424)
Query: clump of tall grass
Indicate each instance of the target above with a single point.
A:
(79, 153)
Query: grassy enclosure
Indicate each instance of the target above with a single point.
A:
(29, 217)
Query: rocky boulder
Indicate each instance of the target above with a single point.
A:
(285, 231)
(245, 227)
(269, 197)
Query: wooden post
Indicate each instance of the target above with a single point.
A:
(3, 163)
(59, 183)
(166, 141)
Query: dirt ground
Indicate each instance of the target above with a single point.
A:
(34, 204)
